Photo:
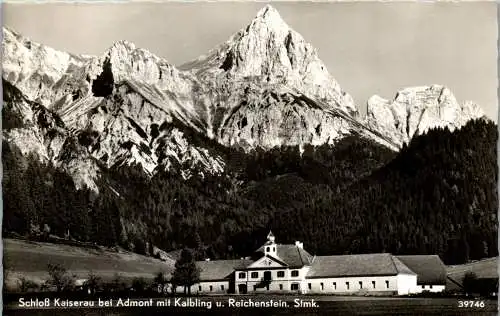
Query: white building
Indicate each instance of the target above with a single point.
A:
(282, 268)
(430, 270)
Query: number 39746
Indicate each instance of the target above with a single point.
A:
(471, 304)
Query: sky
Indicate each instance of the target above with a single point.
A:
(368, 47)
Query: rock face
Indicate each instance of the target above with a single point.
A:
(416, 110)
(255, 81)
(124, 107)
(36, 130)
(269, 117)
(264, 87)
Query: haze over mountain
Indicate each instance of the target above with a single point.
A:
(265, 87)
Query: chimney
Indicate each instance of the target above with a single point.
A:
(299, 244)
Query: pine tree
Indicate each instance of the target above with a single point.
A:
(186, 272)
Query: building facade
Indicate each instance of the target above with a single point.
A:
(289, 268)
(430, 270)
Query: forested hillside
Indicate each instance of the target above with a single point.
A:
(438, 195)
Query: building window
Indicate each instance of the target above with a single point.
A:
(281, 274)
(199, 288)
(295, 273)
(268, 249)
(334, 285)
(295, 286)
(360, 284)
(222, 287)
(255, 275)
(211, 288)
(322, 286)
(387, 284)
(373, 284)
(347, 285)
(274, 249)
(242, 275)
(281, 286)
(309, 285)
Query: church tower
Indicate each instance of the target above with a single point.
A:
(270, 246)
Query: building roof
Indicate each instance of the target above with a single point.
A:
(483, 269)
(430, 269)
(291, 255)
(357, 265)
(220, 269)
(403, 268)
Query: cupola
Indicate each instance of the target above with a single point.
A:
(270, 246)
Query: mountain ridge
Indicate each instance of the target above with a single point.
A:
(415, 110)
(263, 88)
(210, 158)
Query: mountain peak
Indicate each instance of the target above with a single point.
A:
(8, 31)
(270, 52)
(123, 44)
(415, 110)
(268, 21)
(267, 10)
(270, 15)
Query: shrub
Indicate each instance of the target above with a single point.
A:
(139, 285)
(59, 278)
(116, 285)
(93, 283)
(25, 285)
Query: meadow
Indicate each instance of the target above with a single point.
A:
(30, 259)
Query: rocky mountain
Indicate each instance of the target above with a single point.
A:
(113, 123)
(256, 81)
(124, 107)
(34, 129)
(416, 110)
(263, 88)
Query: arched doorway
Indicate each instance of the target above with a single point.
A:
(267, 276)
(242, 288)
(267, 279)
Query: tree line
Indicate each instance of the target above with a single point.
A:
(438, 195)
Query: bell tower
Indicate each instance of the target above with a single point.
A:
(270, 246)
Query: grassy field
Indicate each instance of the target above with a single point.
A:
(30, 259)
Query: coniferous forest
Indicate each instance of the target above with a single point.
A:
(438, 195)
